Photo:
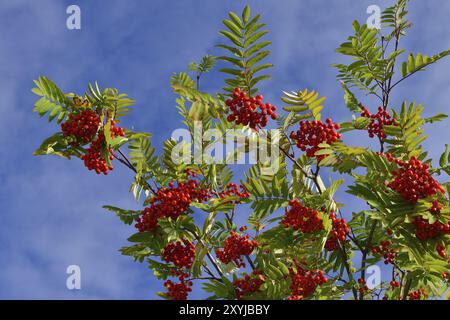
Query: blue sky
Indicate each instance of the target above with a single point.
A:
(50, 209)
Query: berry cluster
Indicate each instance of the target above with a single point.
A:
(116, 131)
(338, 233)
(417, 295)
(235, 247)
(81, 127)
(426, 230)
(436, 207)
(180, 254)
(394, 284)
(93, 159)
(180, 290)
(386, 251)
(232, 190)
(441, 250)
(304, 283)
(363, 288)
(171, 202)
(248, 284)
(413, 180)
(378, 120)
(301, 218)
(190, 173)
(312, 133)
(244, 110)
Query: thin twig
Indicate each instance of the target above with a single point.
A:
(124, 160)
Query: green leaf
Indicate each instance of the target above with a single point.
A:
(232, 37)
(350, 99)
(420, 62)
(56, 145)
(436, 118)
(246, 14)
(126, 216)
(256, 48)
(256, 58)
(141, 237)
(232, 27)
(444, 157)
(254, 37)
(234, 17)
(237, 62)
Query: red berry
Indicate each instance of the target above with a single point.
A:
(312, 133)
(441, 250)
(248, 284)
(303, 282)
(301, 218)
(235, 247)
(338, 233)
(363, 288)
(232, 190)
(180, 290)
(384, 249)
(416, 295)
(171, 202)
(394, 284)
(413, 181)
(244, 110)
(180, 254)
(93, 159)
(378, 121)
(436, 207)
(82, 127)
(426, 230)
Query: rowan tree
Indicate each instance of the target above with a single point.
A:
(299, 241)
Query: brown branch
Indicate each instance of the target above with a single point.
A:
(124, 160)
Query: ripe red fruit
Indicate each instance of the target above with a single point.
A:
(180, 290)
(180, 254)
(301, 218)
(426, 230)
(93, 159)
(243, 229)
(363, 288)
(171, 202)
(232, 190)
(378, 121)
(386, 251)
(312, 133)
(413, 180)
(244, 110)
(441, 250)
(81, 127)
(248, 284)
(436, 207)
(417, 295)
(235, 247)
(394, 284)
(303, 282)
(338, 233)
